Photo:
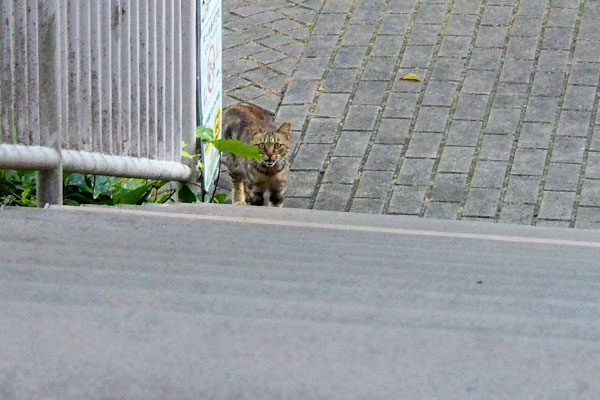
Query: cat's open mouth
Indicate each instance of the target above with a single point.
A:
(269, 163)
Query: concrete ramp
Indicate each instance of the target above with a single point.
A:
(223, 302)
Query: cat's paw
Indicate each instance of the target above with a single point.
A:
(240, 203)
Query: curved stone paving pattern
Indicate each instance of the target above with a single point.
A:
(505, 126)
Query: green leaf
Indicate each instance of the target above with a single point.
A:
(205, 134)
(79, 181)
(186, 195)
(70, 202)
(135, 196)
(219, 198)
(238, 148)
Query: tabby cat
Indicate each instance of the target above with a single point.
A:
(258, 182)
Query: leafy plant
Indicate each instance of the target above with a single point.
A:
(18, 188)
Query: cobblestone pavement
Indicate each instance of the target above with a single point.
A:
(504, 127)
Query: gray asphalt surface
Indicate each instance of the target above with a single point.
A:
(223, 302)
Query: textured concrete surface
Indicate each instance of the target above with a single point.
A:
(223, 302)
(505, 126)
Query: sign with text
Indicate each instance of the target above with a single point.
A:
(210, 79)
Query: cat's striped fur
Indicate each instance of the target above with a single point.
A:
(257, 182)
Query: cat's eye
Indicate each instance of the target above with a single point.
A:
(277, 145)
(261, 145)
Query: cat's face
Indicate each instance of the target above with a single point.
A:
(273, 146)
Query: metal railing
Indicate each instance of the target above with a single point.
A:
(97, 86)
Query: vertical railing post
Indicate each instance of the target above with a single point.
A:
(49, 181)
(188, 83)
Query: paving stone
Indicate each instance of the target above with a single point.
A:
(509, 100)
(300, 92)
(440, 93)
(527, 25)
(590, 195)
(320, 44)
(489, 174)
(522, 48)
(364, 16)
(407, 200)
(584, 74)
(464, 133)
(301, 183)
(588, 218)
(370, 206)
(592, 169)
(311, 68)
(456, 159)
(297, 202)
(415, 171)
(374, 184)
(350, 57)
(293, 49)
(424, 144)
(387, 46)
(547, 84)
(287, 67)
(247, 93)
(491, 36)
(432, 119)
(587, 50)
(400, 105)
(431, 13)
(417, 56)
(517, 214)
(394, 24)
(448, 69)
(479, 82)
(553, 223)
(310, 156)
(321, 130)
(503, 121)
(425, 34)
(329, 24)
(407, 85)
(485, 59)
(340, 80)
(459, 24)
(333, 197)
(370, 92)
(516, 71)
(352, 144)
(557, 38)
(294, 114)
(342, 170)
(523, 189)
(557, 205)
(529, 162)
(568, 149)
(466, 6)
(579, 97)
(562, 177)
(482, 202)
(340, 6)
(331, 104)
(471, 106)
(269, 56)
(444, 210)
(276, 84)
(267, 101)
(457, 46)
(383, 157)
(497, 15)
(358, 35)
(379, 69)
(574, 123)
(562, 17)
(361, 118)
(535, 135)
(393, 131)
(449, 187)
(496, 147)
(553, 61)
(541, 109)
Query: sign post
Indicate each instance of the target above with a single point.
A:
(210, 84)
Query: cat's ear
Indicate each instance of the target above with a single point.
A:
(286, 127)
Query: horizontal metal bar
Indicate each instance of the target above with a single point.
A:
(15, 156)
(37, 157)
(134, 167)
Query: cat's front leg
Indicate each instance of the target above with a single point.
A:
(257, 197)
(277, 198)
